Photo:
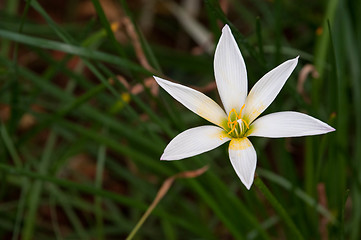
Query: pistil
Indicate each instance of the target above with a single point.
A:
(235, 129)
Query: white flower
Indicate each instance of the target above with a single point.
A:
(239, 123)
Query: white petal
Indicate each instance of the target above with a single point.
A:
(288, 124)
(230, 72)
(195, 101)
(244, 159)
(194, 141)
(266, 89)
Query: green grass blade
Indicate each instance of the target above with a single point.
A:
(36, 189)
(278, 207)
(98, 184)
(72, 49)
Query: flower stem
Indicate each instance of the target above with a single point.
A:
(278, 207)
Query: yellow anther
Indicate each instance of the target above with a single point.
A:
(233, 128)
(232, 124)
(240, 112)
(229, 115)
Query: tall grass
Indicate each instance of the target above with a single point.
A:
(83, 124)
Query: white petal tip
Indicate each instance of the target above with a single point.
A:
(164, 158)
(248, 184)
(157, 78)
(295, 59)
(161, 81)
(171, 157)
(226, 28)
(330, 129)
(326, 128)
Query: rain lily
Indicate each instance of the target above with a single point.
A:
(238, 121)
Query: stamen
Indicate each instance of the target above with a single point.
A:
(233, 128)
(240, 112)
(245, 123)
(233, 124)
(229, 115)
(240, 117)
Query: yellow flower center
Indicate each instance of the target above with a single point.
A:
(236, 130)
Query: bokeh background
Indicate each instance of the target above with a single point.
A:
(83, 124)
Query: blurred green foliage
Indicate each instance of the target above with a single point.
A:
(83, 124)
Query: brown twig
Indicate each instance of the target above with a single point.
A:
(163, 191)
(322, 198)
(139, 88)
(302, 77)
(132, 33)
